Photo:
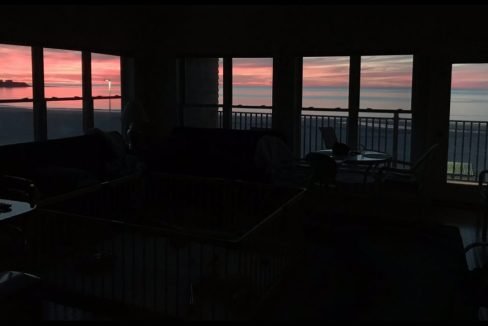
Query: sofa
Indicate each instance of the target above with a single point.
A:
(62, 165)
(211, 152)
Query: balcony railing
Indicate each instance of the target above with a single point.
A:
(390, 133)
(468, 150)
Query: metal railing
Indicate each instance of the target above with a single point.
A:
(390, 133)
(246, 117)
(468, 150)
(212, 249)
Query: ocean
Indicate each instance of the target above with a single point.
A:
(466, 104)
(64, 91)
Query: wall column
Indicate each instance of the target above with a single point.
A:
(287, 99)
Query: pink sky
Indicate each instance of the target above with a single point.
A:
(377, 71)
(60, 66)
(469, 76)
(64, 67)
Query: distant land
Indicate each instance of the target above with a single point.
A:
(11, 83)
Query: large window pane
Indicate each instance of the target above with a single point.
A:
(252, 85)
(468, 125)
(64, 119)
(325, 86)
(106, 82)
(386, 84)
(16, 119)
(62, 78)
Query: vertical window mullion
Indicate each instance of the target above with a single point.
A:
(227, 107)
(354, 93)
(86, 77)
(39, 101)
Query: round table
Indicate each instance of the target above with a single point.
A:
(368, 158)
(14, 208)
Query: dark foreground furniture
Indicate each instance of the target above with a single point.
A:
(62, 165)
(189, 247)
(210, 152)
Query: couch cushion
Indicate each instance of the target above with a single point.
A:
(211, 152)
(55, 180)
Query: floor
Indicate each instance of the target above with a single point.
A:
(369, 267)
(366, 259)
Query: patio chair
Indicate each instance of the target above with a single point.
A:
(483, 189)
(406, 187)
(479, 275)
(350, 175)
(328, 136)
(324, 170)
(410, 179)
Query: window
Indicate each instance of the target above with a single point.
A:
(252, 92)
(468, 122)
(106, 91)
(384, 120)
(63, 93)
(325, 99)
(16, 116)
(202, 92)
(386, 88)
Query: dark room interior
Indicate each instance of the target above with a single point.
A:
(243, 162)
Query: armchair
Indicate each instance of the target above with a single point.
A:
(412, 179)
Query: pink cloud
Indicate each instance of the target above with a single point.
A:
(105, 67)
(469, 76)
(16, 63)
(60, 66)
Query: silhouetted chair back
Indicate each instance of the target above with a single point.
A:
(324, 169)
(423, 166)
(483, 188)
(328, 136)
(411, 180)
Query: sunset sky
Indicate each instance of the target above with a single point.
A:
(378, 71)
(60, 66)
(63, 67)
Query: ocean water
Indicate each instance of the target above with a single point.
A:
(466, 104)
(64, 91)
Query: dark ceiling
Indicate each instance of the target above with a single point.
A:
(249, 30)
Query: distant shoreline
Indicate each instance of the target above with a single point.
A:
(12, 84)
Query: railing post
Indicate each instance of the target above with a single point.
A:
(396, 118)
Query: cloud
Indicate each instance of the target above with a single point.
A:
(470, 76)
(105, 67)
(252, 63)
(326, 71)
(386, 71)
(16, 63)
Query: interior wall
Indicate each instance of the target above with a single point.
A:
(156, 89)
